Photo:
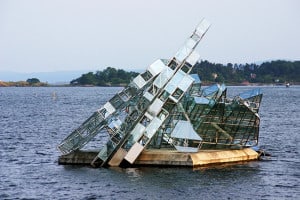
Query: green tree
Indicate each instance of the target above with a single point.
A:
(107, 77)
(33, 81)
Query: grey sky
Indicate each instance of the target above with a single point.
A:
(55, 35)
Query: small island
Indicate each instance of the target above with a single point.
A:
(108, 77)
(31, 82)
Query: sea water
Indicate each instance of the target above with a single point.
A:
(34, 120)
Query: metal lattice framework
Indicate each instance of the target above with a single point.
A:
(165, 107)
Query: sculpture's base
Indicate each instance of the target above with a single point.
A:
(163, 157)
(78, 158)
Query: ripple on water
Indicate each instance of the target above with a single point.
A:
(32, 123)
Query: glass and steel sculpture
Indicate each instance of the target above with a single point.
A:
(165, 107)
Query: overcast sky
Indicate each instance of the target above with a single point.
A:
(56, 35)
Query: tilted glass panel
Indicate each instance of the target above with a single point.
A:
(177, 94)
(202, 27)
(190, 43)
(148, 96)
(185, 83)
(183, 53)
(124, 96)
(186, 49)
(164, 96)
(116, 101)
(196, 37)
(210, 91)
(185, 130)
(163, 114)
(196, 78)
(145, 120)
(163, 77)
(170, 88)
(155, 107)
(139, 81)
(201, 100)
(153, 127)
(129, 91)
(114, 123)
(146, 75)
(137, 132)
(193, 58)
(157, 67)
(172, 85)
(110, 108)
(186, 149)
(250, 93)
(104, 112)
(173, 64)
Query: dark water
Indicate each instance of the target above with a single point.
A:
(34, 120)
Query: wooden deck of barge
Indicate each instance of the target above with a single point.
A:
(164, 157)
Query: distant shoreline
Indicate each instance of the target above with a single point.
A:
(22, 84)
(42, 84)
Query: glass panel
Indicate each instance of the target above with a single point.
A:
(114, 123)
(184, 129)
(155, 106)
(185, 83)
(173, 64)
(144, 140)
(163, 77)
(123, 96)
(164, 96)
(145, 121)
(148, 96)
(170, 88)
(196, 37)
(193, 58)
(130, 91)
(157, 67)
(146, 75)
(139, 81)
(201, 100)
(153, 127)
(153, 90)
(186, 68)
(249, 94)
(163, 114)
(116, 101)
(177, 94)
(196, 78)
(183, 53)
(137, 132)
(172, 85)
(202, 27)
(103, 153)
(103, 112)
(190, 43)
(109, 108)
(210, 91)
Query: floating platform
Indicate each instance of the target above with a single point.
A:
(159, 157)
(163, 117)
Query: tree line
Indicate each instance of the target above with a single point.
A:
(30, 82)
(108, 77)
(278, 71)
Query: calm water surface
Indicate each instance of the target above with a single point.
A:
(34, 120)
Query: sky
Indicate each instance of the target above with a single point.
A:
(68, 35)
